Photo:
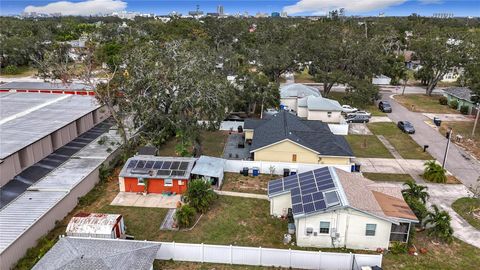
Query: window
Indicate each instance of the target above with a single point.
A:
(309, 231)
(180, 182)
(141, 182)
(168, 182)
(370, 230)
(324, 227)
(294, 158)
(329, 114)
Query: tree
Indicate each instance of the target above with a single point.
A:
(185, 216)
(361, 93)
(200, 195)
(434, 172)
(415, 191)
(55, 63)
(440, 224)
(254, 88)
(439, 51)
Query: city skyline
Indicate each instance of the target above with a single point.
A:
(460, 8)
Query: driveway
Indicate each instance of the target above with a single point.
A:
(390, 165)
(467, 171)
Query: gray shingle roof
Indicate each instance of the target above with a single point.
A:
(460, 92)
(314, 135)
(100, 254)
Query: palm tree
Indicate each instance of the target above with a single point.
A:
(415, 191)
(440, 222)
(434, 172)
(185, 216)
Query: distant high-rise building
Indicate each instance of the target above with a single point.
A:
(220, 10)
(275, 14)
(443, 15)
(283, 14)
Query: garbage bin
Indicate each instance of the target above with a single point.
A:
(255, 171)
(437, 121)
(245, 171)
(286, 172)
(353, 168)
(357, 167)
(293, 172)
(240, 129)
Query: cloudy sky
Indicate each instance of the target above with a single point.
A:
(298, 7)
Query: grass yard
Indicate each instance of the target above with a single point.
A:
(389, 177)
(303, 77)
(24, 71)
(472, 144)
(468, 209)
(423, 103)
(372, 108)
(402, 142)
(367, 146)
(249, 184)
(457, 255)
(213, 143)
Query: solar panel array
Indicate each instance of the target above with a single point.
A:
(161, 168)
(308, 190)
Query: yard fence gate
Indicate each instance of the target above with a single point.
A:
(259, 256)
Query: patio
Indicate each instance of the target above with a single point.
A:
(232, 151)
(149, 200)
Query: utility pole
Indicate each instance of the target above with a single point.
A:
(448, 135)
(476, 120)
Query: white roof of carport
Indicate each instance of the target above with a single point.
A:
(209, 166)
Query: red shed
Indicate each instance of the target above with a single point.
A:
(154, 174)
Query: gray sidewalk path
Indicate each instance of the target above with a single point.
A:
(241, 194)
(389, 147)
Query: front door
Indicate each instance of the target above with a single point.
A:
(294, 158)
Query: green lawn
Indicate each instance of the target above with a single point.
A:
(402, 142)
(466, 207)
(372, 108)
(213, 143)
(465, 130)
(423, 103)
(367, 146)
(393, 177)
(22, 72)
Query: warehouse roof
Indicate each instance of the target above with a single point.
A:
(101, 254)
(45, 86)
(28, 117)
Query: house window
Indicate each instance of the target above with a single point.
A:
(294, 158)
(370, 230)
(324, 227)
(329, 114)
(140, 181)
(180, 182)
(168, 182)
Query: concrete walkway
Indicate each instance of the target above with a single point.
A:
(149, 200)
(449, 117)
(241, 194)
(412, 167)
(389, 147)
(379, 119)
(168, 221)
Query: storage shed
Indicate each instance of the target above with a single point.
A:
(210, 168)
(96, 225)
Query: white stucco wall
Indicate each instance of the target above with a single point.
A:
(279, 205)
(302, 112)
(335, 117)
(290, 102)
(349, 224)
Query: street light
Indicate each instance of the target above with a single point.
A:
(448, 135)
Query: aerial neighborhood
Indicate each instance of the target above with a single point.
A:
(304, 135)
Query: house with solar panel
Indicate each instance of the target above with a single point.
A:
(333, 208)
(285, 137)
(153, 174)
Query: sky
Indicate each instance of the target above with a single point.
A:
(292, 7)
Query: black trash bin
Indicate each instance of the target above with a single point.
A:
(245, 171)
(240, 129)
(357, 167)
(286, 172)
(437, 121)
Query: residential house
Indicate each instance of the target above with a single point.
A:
(96, 225)
(381, 80)
(285, 137)
(290, 93)
(333, 208)
(453, 74)
(210, 169)
(319, 108)
(464, 97)
(152, 174)
(105, 254)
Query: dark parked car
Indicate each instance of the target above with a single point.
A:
(406, 127)
(357, 118)
(384, 106)
(234, 117)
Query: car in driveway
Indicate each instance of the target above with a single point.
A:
(406, 127)
(357, 118)
(360, 113)
(385, 106)
(348, 109)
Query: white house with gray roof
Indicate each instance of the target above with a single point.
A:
(333, 208)
(319, 108)
(290, 93)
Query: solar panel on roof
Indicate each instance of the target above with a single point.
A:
(132, 164)
(183, 166)
(297, 208)
(307, 198)
(319, 205)
(331, 198)
(295, 191)
(140, 164)
(149, 164)
(296, 199)
(326, 186)
(163, 172)
(317, 196)
(177, 173)
(158, 164)
(175, 165)
(308, 208)
(166, 165)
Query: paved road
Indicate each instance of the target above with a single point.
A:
(467, 171)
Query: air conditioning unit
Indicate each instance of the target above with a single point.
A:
(315, 234)
(333, 232)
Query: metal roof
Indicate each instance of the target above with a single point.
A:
(45, 86)
(209, 166)
(319, 103)
(158, 167)
(28, 117)
(92, 223)
(297, 90)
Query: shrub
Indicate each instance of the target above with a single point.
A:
(453, 104)
(200, 195)
(418, 208)
(443, 100)
(440, 224)
(399, 248)
(464, 109)
(11, 70)
(434, 172)
(185, 216)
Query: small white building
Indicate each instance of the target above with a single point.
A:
(290, 93)
(381, 80)
(96, 225)
(333, 208)
(319, 108)
(210, 168)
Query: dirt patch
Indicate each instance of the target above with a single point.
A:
(250, 184)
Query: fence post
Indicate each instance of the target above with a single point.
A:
(173, 251)
(352, 260)
(203, 253)
(290, 257)
(231, 254)
(260, 256)
(319, 259)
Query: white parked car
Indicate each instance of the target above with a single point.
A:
(348, 109)
(360, 113)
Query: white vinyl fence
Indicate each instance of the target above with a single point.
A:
(265, 256)
(266, 167)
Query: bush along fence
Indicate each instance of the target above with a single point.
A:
(269, 257)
